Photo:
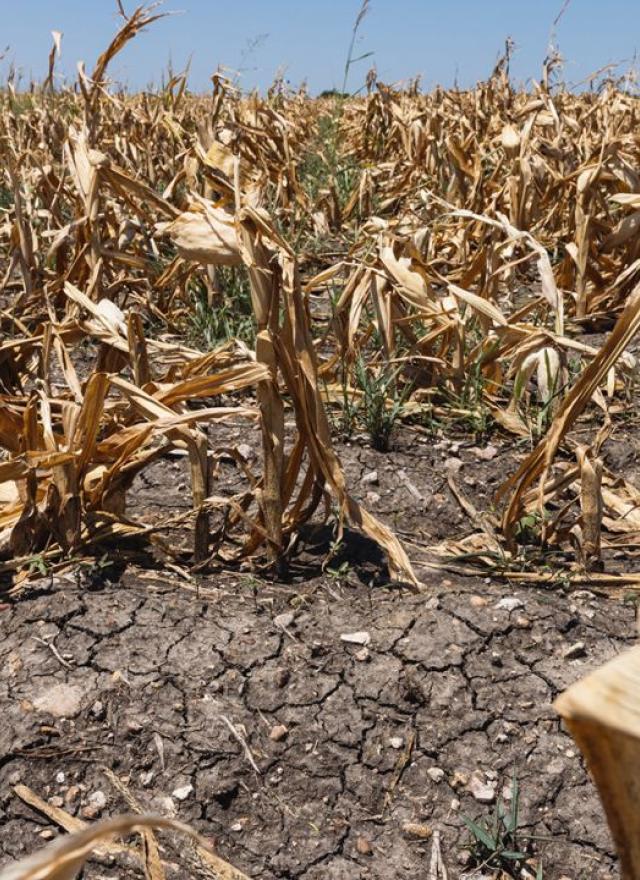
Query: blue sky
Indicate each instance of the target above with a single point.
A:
(440, 39)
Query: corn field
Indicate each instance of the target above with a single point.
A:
(422, 258)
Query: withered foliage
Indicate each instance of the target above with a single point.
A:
(462, 241)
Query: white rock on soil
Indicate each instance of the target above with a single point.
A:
(436, 774)
(578, 649)
(98, 799)
(183, 792)
(97, 710)
(484, 792)
(356, 638)
(509, 603)
(489, 452)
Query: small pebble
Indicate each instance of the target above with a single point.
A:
(459, 778)
(245, 451)
(98, 799)
(484, 792)
(183, 792)
(363, 846)
(134, 726)
(415, 829)
(47, 834)
(278, 733)
(356, 638)
(578, 649)
(71, 795)
(486, 454)
(60, 777)
(89, 812)
(370, 479)
(396, 742)
(509, 603)
(436, 774)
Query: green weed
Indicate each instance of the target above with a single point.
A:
(497, 842)
(229, 316)
(381, 402)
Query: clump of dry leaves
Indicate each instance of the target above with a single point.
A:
(460, 242)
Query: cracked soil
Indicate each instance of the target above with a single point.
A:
(361, 750)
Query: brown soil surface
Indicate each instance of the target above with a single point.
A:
(147, 667)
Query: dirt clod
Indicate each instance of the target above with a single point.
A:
(363, 846)
(278, 733)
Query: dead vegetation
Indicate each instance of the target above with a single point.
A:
(436, 258)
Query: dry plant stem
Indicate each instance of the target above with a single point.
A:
(64, 858)
(239, 737)
(538, 463)
(265, 299)
(465, 237)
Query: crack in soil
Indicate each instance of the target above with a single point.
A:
(469, 684)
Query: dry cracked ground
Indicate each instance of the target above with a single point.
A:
(239, 706)
(360, 751)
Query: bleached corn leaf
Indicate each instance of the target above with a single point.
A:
(480, 305)
(109, 312)
(207, 236)
(510, 139)
(602, 714)
(631, 200)
(538, 462)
